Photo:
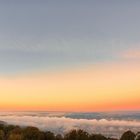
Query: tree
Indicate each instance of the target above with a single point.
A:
(72, 135)
(137, 136)
(49, 136)
(128, 135)
(8, 128)
(15, 134)
(97, 137)
(31, 133)
(15, 137)
(82, 135)
(2, 126)
(2, 135)
(58, 137)
(77, 135)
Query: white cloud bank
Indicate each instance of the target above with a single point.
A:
(62, 125)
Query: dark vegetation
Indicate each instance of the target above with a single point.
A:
(11, 132)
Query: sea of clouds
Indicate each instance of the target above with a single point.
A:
(109, 128)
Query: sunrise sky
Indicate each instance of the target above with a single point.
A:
(71, 55)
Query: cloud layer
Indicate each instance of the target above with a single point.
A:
(112, 128)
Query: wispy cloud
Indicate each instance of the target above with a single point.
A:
(132, 54)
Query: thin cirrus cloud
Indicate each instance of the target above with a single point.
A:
(131, 54)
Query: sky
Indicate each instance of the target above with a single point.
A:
(72, 55)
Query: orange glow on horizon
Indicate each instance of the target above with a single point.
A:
(104, 87)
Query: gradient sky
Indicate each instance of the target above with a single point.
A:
(71, 55)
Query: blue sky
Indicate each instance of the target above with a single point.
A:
(38, 35)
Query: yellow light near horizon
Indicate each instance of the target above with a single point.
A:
(93, 88)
